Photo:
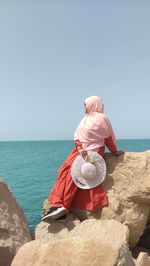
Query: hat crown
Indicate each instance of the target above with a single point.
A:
(88, 170)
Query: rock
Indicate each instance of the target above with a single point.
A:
(46, 232)
(92, 242)
(13, 226)
(143, 259)
(128, 188)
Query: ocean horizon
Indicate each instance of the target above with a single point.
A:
(29, 167)
(29, 140)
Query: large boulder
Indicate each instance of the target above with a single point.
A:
(128, 188)
(13, 226)
(46, 232)
(92, 242)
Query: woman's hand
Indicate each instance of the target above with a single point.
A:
(83, 152)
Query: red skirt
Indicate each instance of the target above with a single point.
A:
(66, 193)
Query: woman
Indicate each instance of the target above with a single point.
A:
(92, 134)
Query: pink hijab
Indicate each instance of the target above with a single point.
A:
(95, 126)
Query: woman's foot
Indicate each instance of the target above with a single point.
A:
(54, 213)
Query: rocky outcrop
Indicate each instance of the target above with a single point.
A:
(13, 226)
(104, 240)
(92, 242)
(128, 188)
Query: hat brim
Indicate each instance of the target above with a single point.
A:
(77, 177)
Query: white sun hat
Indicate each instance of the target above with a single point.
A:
(90, 172)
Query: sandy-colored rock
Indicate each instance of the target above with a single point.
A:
(106, 230)
(73, 252)
(128, 188)
(46, 232)
(143, 259)
(13, 226)
(91, 243)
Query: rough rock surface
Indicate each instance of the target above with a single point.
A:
(143, 259)
(13, 226)
(56, 230)
(128, 188)
(92, 242)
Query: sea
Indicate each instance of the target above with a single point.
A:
(30, 167)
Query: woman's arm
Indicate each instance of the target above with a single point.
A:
(80, 149)
(112, 147)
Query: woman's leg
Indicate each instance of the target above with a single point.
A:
(70, 191)
(57, 193)
(64, 189)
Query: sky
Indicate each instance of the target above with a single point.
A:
(56, 53)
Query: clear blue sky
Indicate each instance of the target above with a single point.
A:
(55, 53)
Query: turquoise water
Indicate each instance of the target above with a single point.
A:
(29, 168)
